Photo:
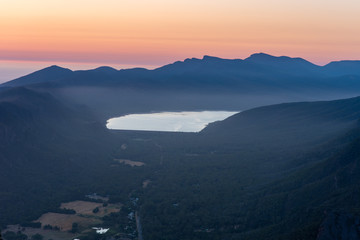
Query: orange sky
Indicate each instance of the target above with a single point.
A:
(156, 32)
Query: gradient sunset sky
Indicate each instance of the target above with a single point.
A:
(156, 32)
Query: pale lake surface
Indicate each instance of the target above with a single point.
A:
(168, 121)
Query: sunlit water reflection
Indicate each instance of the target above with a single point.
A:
(168, 121)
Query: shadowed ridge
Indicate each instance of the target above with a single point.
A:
(40, 138)
(49, 74)
(22, 110)
(43, 113)
(33, 101)
(26, 96)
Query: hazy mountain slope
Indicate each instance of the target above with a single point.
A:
(44, 145)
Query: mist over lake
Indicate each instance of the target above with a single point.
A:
(168, 121)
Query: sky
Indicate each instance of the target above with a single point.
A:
(156, 32)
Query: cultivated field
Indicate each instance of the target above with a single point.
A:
(65, 221)
(84, 217)
(84, 208)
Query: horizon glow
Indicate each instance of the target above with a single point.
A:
(157, 32)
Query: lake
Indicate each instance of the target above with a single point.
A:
(168, 121)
